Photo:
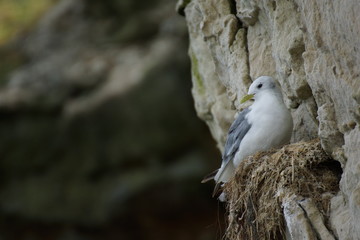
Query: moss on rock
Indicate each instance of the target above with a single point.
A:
(197, 79)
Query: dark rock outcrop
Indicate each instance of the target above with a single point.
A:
(98, 137)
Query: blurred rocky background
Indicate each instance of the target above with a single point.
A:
(98, 134)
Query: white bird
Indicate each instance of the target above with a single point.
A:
(266, 124)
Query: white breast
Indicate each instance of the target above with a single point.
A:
(271, 126)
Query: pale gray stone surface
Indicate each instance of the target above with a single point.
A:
(313, 49)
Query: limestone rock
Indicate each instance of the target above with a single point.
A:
(297, 224)
(312, 48)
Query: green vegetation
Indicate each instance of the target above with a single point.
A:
(198, 81)
(19, 15)
(10, 61)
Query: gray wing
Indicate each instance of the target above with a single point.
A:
(237, 131)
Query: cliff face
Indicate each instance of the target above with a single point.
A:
(313, 49)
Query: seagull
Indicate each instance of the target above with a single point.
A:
(266, 124)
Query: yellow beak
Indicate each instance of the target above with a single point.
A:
(246, 98)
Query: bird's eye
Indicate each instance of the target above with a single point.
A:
(259, 86)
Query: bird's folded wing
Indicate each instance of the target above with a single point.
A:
(237, 131)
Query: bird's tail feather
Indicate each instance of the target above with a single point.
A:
(217, 187)
(209, 177)
(222, 176)
(224, 172)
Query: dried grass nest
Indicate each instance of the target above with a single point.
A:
(262, 181)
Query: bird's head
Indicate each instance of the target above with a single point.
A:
(260, 85)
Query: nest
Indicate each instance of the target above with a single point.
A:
(262, 181)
